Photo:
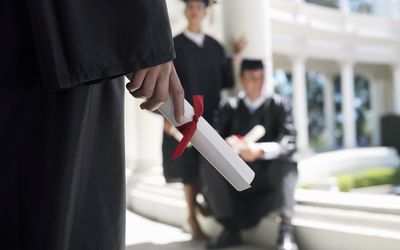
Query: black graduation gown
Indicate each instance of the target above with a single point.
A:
(61, 131)
(203, 71)
(234, 118)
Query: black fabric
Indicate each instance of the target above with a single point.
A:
(233, 117)
(62, 151)
(206, 2)
(390, 131)
(184, 169)
(203, 71)
(275, 180)
(79, 42)
(248, 64)
(62, 163)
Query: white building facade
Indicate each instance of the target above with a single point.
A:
(338, 42)
(299, 38)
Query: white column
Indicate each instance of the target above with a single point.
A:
(396, 88)
(256, 30)
(344, 6)
(143, 137)
(394, 9)
(329, 111)
(348, 108)
(377, 98)
(300, 112)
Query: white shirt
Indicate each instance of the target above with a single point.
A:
(197, 38)
(254, 105)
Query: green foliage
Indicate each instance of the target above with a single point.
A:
(368, 178)
(305, 186)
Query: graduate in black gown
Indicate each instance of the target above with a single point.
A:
(61, 115)
(270, 157)
(204, 69)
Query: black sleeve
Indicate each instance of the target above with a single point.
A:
(227, 70)
(286, 131)
(88, 41)
(223, 117)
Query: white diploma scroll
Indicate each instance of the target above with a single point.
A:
(211, 145)
(255, 134)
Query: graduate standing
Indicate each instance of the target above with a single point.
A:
(61, 115)
(204, 69)
(270, 158)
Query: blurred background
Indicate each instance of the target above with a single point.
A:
(338, 61)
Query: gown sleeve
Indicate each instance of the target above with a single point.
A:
(286, 133)
(227, 70)
(82, 42)
(223, 117)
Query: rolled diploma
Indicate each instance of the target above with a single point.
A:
(255, 133)
(211, 145)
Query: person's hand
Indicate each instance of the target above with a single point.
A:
(250, 152)
(239, 45)
(155, 84)
(235, 143)
(174, 132)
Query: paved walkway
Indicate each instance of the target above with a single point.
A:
(144, 234)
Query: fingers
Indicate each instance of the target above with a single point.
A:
(147, 88)
(233, 141)
(177, 94)
(160, 94)
(137, 80)
(155, 85)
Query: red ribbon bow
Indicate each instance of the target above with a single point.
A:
(188, 129)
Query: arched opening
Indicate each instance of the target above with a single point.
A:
(362, 105)
(315, 103)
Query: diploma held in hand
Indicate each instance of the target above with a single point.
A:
(211, 145)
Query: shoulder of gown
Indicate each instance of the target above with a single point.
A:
(79, 42)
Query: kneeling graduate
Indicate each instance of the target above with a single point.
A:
(270, 156)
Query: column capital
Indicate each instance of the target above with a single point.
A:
(347, 62)
(298, 58)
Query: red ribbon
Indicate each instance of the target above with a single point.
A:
(188, 129)
(240, 137)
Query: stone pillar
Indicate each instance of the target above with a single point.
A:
(394, 9)
(348, 108)
(143, 137)
(377, 106)
(300, 111)
(344, 6)
(396, 88)
(251, 19)
(329, 111)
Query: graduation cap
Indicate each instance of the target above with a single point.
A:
(251, 64)
(206, 2)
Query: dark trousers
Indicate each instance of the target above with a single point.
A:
(272, 190)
